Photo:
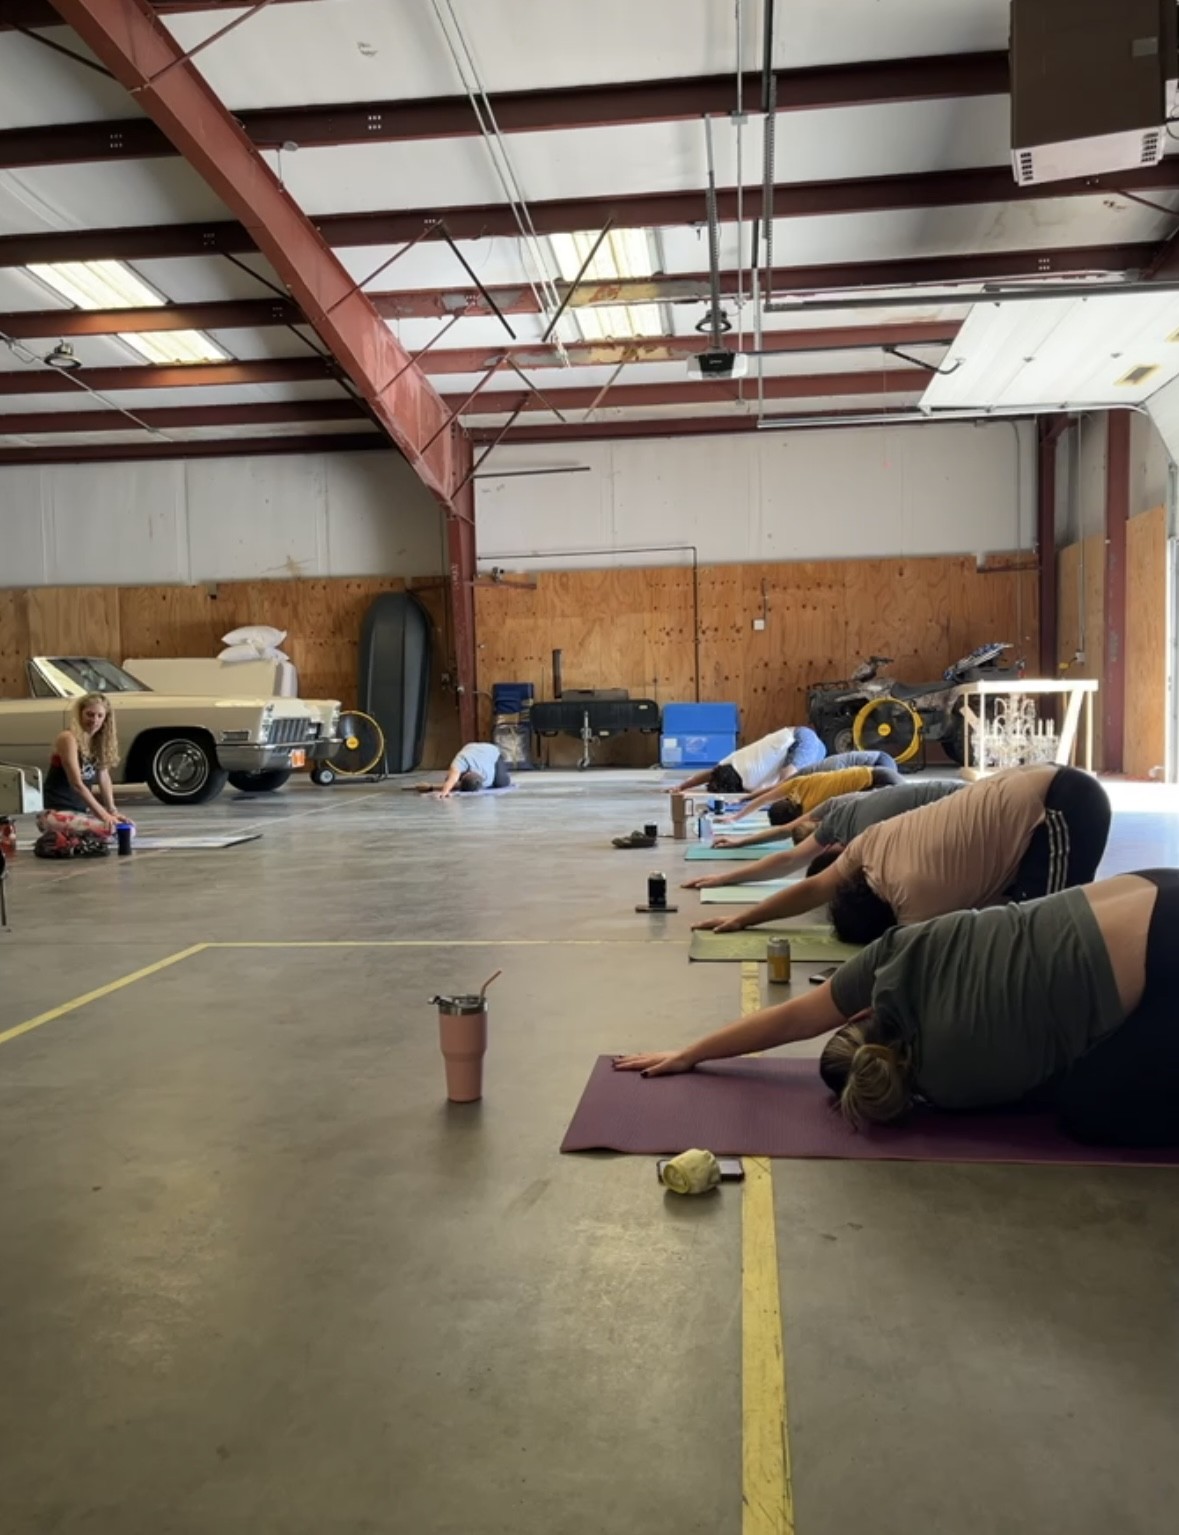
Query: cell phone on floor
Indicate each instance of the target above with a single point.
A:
(732, 1169)
(817, 977)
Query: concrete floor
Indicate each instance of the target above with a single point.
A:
(256, 1276)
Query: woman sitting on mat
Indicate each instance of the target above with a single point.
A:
(1019, 834)
(78, 795)
(1068, 1000)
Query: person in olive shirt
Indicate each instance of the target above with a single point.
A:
(1068, 1000)
(1019, 834)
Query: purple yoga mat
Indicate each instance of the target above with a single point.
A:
(773, 1107)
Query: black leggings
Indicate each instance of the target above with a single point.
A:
(1069, 843)
(502, 777)
(1125, 1091)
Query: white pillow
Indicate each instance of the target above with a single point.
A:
(260, 636)
(251, 653)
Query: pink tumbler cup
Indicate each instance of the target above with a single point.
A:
(462, 1031)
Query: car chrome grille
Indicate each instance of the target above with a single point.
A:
(287, 731)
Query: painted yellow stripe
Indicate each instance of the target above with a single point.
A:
(767, 1496)
(439, 943)
(99, 993)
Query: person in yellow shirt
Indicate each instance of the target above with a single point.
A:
(808, 791)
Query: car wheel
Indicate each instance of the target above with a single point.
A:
(182, 770)
(260, 783)
(323, 776)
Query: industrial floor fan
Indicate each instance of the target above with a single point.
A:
(889, 725)
(360, 754)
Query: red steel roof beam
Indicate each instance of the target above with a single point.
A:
(201, 375)
(135, 46)
(30, 423)
(714, 392)
(792, 199)
(626, 103)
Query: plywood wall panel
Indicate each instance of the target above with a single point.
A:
(14, 643)
(1005, 600)
(323, 618)
(633, 628)
(1146, 643)
(74, 620)
(900, 608)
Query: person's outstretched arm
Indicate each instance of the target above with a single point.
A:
(762, 798)
(775, 866)
(754, 838)
(452, 777)
(793, 902)
(690, 783)
(804, 1017)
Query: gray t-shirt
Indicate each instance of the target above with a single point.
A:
(993, 1003)
(478, 757)
(846, 817)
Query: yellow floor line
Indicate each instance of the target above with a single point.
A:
(436, 943)
(767, 1496)
(100, 992)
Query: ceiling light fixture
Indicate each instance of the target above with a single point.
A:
(111, 285)
(62, 356)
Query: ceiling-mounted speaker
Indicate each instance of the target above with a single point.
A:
(1093, 83)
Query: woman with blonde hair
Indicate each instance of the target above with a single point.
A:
(78, 793)
(1067, 1000)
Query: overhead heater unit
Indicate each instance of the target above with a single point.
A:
(1093, 83)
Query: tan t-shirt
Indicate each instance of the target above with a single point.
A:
(955, 854)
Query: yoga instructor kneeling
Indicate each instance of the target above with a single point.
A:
(1069, 998)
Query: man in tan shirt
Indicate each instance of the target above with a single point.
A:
(1020, 834)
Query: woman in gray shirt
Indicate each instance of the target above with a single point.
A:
(1072, 993)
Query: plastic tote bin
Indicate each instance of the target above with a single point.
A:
(698, 735)
(695, 751)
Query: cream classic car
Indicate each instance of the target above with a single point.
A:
(183, 748)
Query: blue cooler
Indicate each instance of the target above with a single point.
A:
(698, 735)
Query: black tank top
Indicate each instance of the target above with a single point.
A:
(59, 793)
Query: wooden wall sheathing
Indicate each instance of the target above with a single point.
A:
(1146, 643)
(322, 617)
(632, 628)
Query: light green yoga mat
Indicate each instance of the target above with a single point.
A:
(743, 895)
(702, 850)
(808, 945)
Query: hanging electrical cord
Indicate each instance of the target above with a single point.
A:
(716, 319)
(540, 282)
(769, 105)
(739, 126)
(26, 355)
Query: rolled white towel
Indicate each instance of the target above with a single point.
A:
(692, 1172)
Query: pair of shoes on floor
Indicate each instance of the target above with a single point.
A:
(636, 839)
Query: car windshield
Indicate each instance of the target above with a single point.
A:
(97, 675)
